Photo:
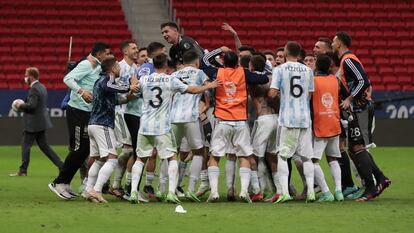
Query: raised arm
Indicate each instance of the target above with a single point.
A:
(227, 27)
(201, 89)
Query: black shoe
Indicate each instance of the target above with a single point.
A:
(382, 185)
(105, 188)
(127, 190)
(150, 191)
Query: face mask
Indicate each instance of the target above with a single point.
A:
(26, 80)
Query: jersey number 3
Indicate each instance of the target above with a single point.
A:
(296, 90)
(156, 97)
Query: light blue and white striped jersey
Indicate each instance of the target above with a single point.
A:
(125, 75)
(185, 106)
(295, 82)
(157, 92)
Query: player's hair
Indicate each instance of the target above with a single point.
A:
(230, 59)
(170, 24)
(99, 47)
(345, 38)
(269, 52)
(247, 48)
(258, 63)
(327, 41)
(293, 48)
(107, 64)
(142, 49)
(280, 49)
(125, 44)
(244, 61)
(309, 55)
(335, 59)
(190, 57)
(154, 46)
(171, 64)
(323, 63)
(33, 71)
(302, 54)
(160, 61)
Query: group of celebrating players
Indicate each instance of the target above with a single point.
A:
(262, 109)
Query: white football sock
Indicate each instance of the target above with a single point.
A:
(308, 171)
(195, 170)
(336, 174)
(320, 178)
(181, 170)
(136, 175)
(93, 174)
(213, 176)
(277, 182)
(244, 173)
(254, 181)
(163, 176)
(118, 174)
(204, 177)
(128, 178)
(149, 178)
(283, 172)
(105, 173)
(230, 173)
(172, 175)
(262, 174)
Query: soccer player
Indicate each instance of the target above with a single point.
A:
(356, 82)
(142, 56)
(101, 128)
(293, 82)
(132, 116)
(326, 127)
(80, 80)
(263, 133)
(129, 50)
(180, 43)
(270, 56)
(310, 61)
(322, 46)
(155, 129)
(231, 114)
(184, 119)
(280, 56)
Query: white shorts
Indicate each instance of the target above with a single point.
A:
(264, 135)
(237, 136)
(102, 141)
(164, 144)
(121, 129)
(191, 131)
(329, 145)
(295, 141)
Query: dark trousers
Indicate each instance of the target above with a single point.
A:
(27, 142)
(132, 123)
(77, 122)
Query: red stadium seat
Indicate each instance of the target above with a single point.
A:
(39, 35)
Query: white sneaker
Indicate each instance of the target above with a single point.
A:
(60, 190)
(244, 196)
(70, 191)
(142, 198)
(213, 197)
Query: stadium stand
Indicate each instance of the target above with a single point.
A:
(382, 31)
(36, 33)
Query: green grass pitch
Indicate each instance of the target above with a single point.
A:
(27, 205)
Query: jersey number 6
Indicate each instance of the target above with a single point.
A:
(156, 103)
(296, 90)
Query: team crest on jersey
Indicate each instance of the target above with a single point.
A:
(144, 71)
(327, 100)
